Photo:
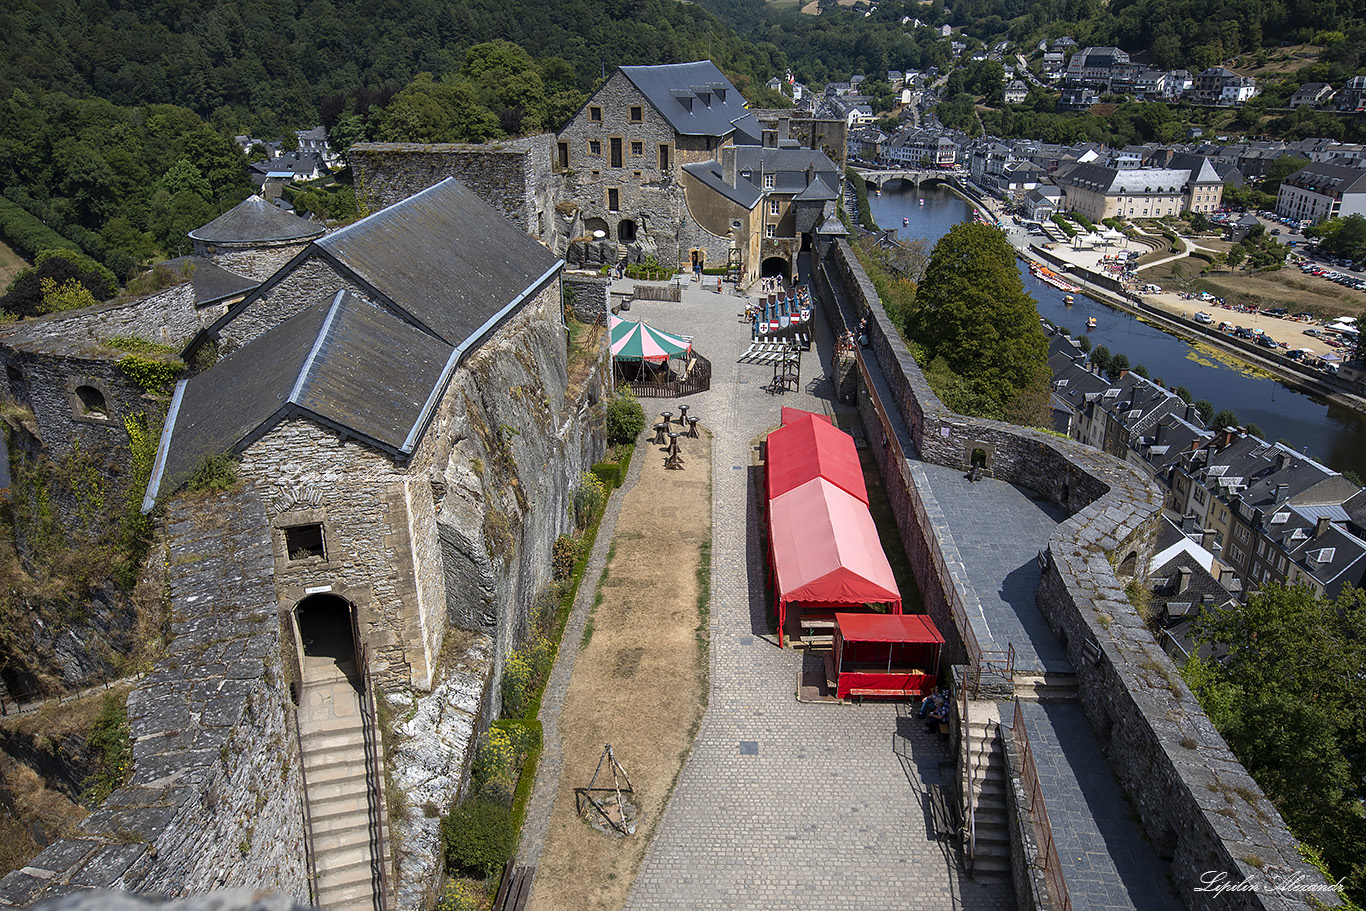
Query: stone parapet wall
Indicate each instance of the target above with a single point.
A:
(215, 798)
(255, 260)
(1197, 804)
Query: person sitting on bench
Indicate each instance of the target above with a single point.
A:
(936, 716)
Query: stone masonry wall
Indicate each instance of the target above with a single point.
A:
(516, 177)
(254, 260)
(313, 280)
(215, 796)
(590, 295)
(1197, 804)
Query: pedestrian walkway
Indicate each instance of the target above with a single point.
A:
(783, 805)
(1106, 862)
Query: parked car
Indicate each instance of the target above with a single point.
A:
(1204, 318)
(1313, 333)
(1267, 341)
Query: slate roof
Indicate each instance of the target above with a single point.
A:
(709, 173)
(445, 260)
(212, 283)
(256, 220)
(695, 98)
(342, 362)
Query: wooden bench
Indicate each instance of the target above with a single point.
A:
(861, 691)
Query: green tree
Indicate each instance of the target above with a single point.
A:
(1225, 418)
(1205, 410)
(1100, 358)
(1118, 364)
(972, 311)
(1290, 700)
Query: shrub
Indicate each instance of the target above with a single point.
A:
(516, 686)
(493, 757)
(524, 736)
(478, 838)
(459, 896)
(625, 418)
(214, 473)
(609, 473)
(562, 558)
(587, 499)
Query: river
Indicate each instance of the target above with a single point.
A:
(1331, 434)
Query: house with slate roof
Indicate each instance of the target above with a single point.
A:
(354, 391)
(668, 159)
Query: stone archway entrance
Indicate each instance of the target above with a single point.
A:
(776, 266)
(626, 231)
(327, 634)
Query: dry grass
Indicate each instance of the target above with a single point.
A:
(11, 264)
(639, 682)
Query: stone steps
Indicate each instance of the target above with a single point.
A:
(987, 795)
(332, 738)
(1046, 687)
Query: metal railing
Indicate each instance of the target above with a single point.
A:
(997, 661)
(969, 805)
(297, 667)
(374, 778)
(1047, 859)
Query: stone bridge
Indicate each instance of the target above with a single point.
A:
(881, 177)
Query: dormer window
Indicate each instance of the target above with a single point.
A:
(768, 181)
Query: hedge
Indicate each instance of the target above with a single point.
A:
(27, 235)
(610, 474)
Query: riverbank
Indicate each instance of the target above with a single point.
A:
(1180, 323)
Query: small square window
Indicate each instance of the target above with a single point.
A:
(637, 148)
(595, 174)
(595, 147)
(635, 114)
(772, 231)
(303, 542)
(595, 114)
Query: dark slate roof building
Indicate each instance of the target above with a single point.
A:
(253, 221)
(695, 98)
(343, 362)
(442, 260)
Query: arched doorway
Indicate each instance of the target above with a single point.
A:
(594, 225)
(776, 266)
(626, 231)
(327, 633)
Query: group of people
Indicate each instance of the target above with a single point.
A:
(935, 711)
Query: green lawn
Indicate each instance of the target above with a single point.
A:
(10, 265)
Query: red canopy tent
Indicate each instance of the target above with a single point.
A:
(825, 551)
(806, 449)
(791, 415)
(884, 653)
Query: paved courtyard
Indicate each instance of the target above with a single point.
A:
(781, 804)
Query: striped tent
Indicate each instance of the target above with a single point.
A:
(634, 341)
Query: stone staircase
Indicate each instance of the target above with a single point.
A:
(333, 739)
(1046, 686)
(987, 791)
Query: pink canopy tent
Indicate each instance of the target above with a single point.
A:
(792, 415)
(807, 449)
(825, 552)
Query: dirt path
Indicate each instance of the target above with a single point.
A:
(639, 681)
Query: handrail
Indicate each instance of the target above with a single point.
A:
(1047, 858)
(310, 863)
(374, 779)
(969, 805)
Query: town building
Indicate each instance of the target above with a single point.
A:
(1318, 192)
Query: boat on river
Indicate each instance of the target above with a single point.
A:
(1090, 322)
(1068, 299)
(1049, 277)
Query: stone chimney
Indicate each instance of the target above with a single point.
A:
(1278, 492)
(728, 166)
(1183, 579)
(783, 128)
(1207, 539)
(1228, 576)
(1322, 525)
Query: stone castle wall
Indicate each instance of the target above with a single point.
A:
(255, 260)
(1198, 806)
(516, 177)
(215, 798)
